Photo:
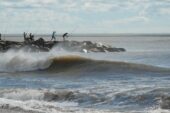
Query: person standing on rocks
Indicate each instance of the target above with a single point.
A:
(31, 37)
(0, 36)
(65, 35)
(25, 36)
(53, 36)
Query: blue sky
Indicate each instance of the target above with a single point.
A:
(85, 16)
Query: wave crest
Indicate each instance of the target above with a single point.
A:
(81, 64)
(55, 62)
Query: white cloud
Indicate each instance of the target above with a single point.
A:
(125, 21)
(26, 3)
(36, 20)
(66, 13)
(40, 1)
(165, 11)
(97, 6)
(85, 5)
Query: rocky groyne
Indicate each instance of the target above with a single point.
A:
(45, 46)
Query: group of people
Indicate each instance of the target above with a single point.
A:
(65, 35)
(53, 38)
(29, 38)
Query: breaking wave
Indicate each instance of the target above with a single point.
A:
(76, 63)
(21, 61)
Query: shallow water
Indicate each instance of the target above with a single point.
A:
(136, 81)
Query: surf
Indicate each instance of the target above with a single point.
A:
(58, 60)
(68, 100)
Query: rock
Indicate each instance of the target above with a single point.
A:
(58, 96)
(97, 49)
(165, 102)
(115, 49)
(87, 43)
(121, 49)
(99, 44)
(45, 46)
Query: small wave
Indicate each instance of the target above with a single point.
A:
(51, 95)
(158, 110)
(158, 98)
(44, 100)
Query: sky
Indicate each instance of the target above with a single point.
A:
(85, 16)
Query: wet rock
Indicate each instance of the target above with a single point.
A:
(57, 96)
(165, 102)
(45, 46)
(115, 49)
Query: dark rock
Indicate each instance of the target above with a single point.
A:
(165, 102)
(65, 95)
(45, 46)
(115, 49)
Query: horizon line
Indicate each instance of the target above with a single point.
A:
(91, 34)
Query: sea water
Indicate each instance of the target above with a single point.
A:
(135, 81)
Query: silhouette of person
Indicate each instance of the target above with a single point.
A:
(53, 36)
(31, 37)
(65, 35)
(0, 36)
(25, 36)
(41, 42)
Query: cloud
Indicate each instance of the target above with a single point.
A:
(165, 11)
(99, 6)
(26, 3)
(128, 20)
(85, 5)
(67, 13)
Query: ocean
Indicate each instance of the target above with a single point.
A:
(59, 81)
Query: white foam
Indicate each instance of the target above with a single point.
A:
(23, 95)
(158, 110)
(13, 61)
(29, 99)
(47, 107)
(27, 105)
(22, 61)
